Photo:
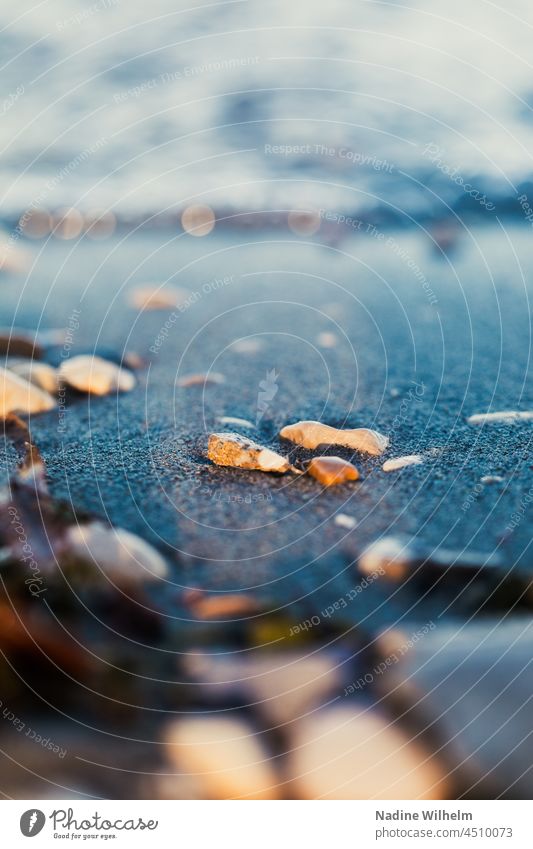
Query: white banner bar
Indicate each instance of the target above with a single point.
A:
(266, 825)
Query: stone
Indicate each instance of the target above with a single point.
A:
(347, 752)
(345, 521)
(332, 471)
(123, 557)
(19, 396)
(40, 374)
(154, 297)
(95, 375)
(200, 379)
(18, 342)
(235, 421)
(311, 434)
(390, 556)
(232, 449)
(224, 754)
(473, 685)
(225, 606)
(326, 339)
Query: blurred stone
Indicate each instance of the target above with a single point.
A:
(282, 686)
(40, 374)
(125, 558)
(224, 754)
(200, 379)
(348, 753)
(198, 220)
(95, 375)
(226, 606)
(154, 297)
(19, 396)
(342, 520)
(473, 688)
(18, 342)
(326, 339)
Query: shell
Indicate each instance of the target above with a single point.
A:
(503, 417)
(396, 463)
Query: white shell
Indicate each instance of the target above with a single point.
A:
(399, 462)
(505, 417)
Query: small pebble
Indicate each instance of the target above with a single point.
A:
(504, 417)
(235, 421)
(148, 298)
(492, 479)
(310, 434)
(225, 755)
(95, 375)
(399, 462)
(40, 374)
(201, 379)
(327, 340)
(17, 342)
(124, 557)
(247, 346)
(133, 360)
(348, 753)
(345, 521)
(390, 556)
(331, 471)
(224, 606)
(20, 396)
(232, 449)
(13, 260)
(396, 557)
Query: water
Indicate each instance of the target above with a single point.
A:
(349, 104)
